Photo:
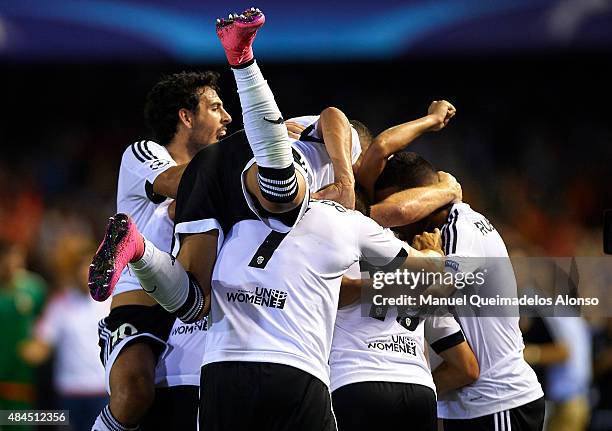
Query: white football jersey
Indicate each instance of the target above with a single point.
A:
(141, 163)
(275, 295)
(312, 147)
(181, 361)
(311, 160)
(506, 381)
(387, 348)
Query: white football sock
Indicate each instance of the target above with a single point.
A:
(267, 135)
(165, 280)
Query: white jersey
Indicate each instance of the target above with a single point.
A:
(311, 160)
(387, 348)
(506, 381)
(312, 147)
(69, 324)
(141, 163)
(180, 363)
(275, 296)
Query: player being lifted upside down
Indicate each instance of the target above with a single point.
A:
(209, 208)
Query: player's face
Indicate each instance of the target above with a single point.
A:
(211, 120)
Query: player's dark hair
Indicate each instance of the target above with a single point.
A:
(365, 135)
(169, 95)
(406, 170)
(362, 202)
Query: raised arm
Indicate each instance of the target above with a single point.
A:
(399, 137)
(335, 129)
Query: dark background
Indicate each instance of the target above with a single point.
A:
(531, 138)
(531, 143)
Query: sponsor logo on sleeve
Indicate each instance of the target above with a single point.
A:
(454, 265)
(157, 164)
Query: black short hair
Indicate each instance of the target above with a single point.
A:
(362, 202)
(169, 95)
(365, 135)
(406, 170)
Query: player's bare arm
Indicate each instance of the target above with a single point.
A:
(409, 206)
(425, 253)
(398, 138)
(350, 290)
(198, 254)
(294, 130)
(460, 368)
(427, 257)
(335, 129)
(166, 184)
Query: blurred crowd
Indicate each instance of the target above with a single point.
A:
(540, 182)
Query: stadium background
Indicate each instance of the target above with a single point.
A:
(531, 143)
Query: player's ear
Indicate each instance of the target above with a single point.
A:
(186, 117)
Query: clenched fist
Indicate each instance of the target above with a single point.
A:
(441, 111)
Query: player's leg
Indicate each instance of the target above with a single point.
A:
(159, 273)
(277, 187)
(132, 383)
(131, 339)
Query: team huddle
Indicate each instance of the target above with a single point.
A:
(236, 265)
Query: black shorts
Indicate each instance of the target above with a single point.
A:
(389, 406)
(174, 408)
(528, 417)
(265, 396)
(129, 324)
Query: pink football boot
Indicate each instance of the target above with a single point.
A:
(122, 244)
(237, 34)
